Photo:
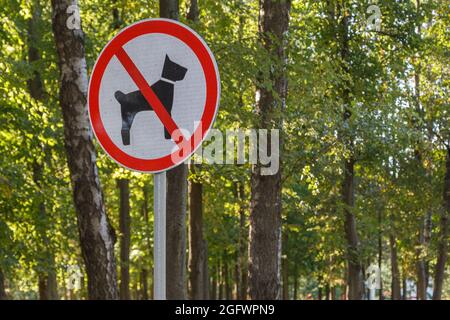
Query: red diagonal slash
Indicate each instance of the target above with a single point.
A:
(149, 94)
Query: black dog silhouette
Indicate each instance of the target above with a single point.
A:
(134, 102)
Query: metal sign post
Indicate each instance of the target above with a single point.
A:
(159, 248)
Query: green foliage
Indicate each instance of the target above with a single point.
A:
(389, 122)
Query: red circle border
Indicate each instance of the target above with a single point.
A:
(206, 59)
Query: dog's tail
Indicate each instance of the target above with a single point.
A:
(119, 95)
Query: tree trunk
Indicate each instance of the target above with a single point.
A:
(295, 286)
(215, 276)
(395, 272)
(176, 232)
(96, 234)
(193, 12)
(3, 295)
(220, 279)
(243, 245)
(355, 279)
(144, 284)
(198, 264)
(265, 212)
(404, 287)
(175, 205)
(205, 271)
(196, 241)
(380, 250)
(285, 268)
(439, 271)
(226, 280)
(421, 264)
(125, 238)
(145, 274)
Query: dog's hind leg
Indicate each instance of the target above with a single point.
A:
(127, 121)
(127, 117)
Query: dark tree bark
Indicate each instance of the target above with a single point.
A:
(169, 9)
(117, 21)
(439, 271)
(265, 211)
(196, 242)
(193, 13)
(215, 276)
(295, 285)
(285, 268)
(355, 270)
(220, 282)
(404, 287)
(145, 272)
(47, 282)
(175, 205)
(205, 271)
(198, 262)
(422, 263)
(226, 279)
(380, 249)
(144, 284)
(327, 291)
(176, 232)
(125, 238)
(243, 244)
(425, 227)
(3, 295)
(395, 272)
(96, 234)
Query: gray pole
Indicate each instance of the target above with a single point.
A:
(159, 253)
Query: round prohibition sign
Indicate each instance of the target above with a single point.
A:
(186, 146)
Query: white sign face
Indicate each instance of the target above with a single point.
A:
(154, 80)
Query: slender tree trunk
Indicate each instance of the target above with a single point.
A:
(333, 293)
(214, 284)
(395, 272)
(3, 295)
(145, 274)
(439, 271)
(176, 232)
(380, 250)
(226, 280)
(355, 279)
(295, 285)
(220, 279)
(96, 234)
(193, 13)
(285, 268)
(144, 284)
(421, 268)
(205, 271)
(265, 212)
(424, 236)
(404, 287)
(175, 205)
(196, 241)
(198, 265)
(237, 279)
(243, 244)
(125, 238)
